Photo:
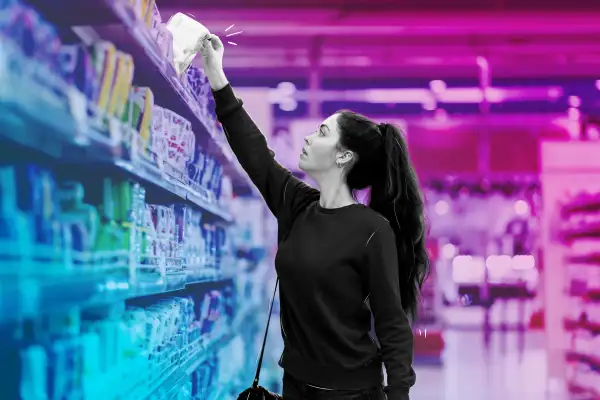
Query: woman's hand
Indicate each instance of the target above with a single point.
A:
(212, 49)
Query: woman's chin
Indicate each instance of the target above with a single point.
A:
(302, 165)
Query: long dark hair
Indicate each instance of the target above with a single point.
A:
(383, 165)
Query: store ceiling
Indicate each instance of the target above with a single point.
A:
(400, 5)
(435, 45)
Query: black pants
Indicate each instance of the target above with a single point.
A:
(296, 390)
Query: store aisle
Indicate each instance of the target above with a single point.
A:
(471, 372)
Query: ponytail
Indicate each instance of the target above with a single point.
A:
(395, 194)
(384, 165)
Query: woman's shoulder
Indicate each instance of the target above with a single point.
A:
(373, 220)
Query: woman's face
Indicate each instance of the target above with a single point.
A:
(320, 149)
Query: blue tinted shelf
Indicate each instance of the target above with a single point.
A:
(31, 295)
(198, 354)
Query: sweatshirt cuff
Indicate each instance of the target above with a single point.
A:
(225, 101)
(396, 393)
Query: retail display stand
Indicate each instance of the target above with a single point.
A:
(118, 240)
(571, 213)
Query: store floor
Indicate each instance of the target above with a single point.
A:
(512, 368)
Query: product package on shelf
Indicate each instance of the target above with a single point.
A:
(145, 10)
(187, 34)
(178, 244)
(114, 70)
(197, 84)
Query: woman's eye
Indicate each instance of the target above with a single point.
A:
(321, 132)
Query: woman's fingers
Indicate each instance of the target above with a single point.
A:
(216, 42)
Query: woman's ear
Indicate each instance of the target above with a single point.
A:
(344, 158)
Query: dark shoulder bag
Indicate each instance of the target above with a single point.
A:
(256, 392)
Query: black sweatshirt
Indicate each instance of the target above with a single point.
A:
(336, 267)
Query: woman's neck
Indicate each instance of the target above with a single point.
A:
(335, 193)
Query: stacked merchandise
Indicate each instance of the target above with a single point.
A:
(120, 352)
(580, 231)
(111, 227)
(91, 89)
(121, 201)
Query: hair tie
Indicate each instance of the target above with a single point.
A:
(382, 128)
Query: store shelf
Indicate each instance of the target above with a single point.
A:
(581, 392)
(583, 203)
(152, 70)
(592, 360)
(592, 327)
(56, 133)
(31, 295)
(114, 239)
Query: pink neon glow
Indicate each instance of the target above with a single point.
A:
(437, 86)
(442, 207)
(397, 95)
(482, 62)
(429, 105)
(461, 95)
(593, 133)
(441, 115)
(499, 262)
(574, 114)
(494, 95)
(449, 250)
(523, 262)
(467, 269)
(574, 101)
(554, 93)
(521, 207)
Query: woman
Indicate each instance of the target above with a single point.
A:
(339, 262)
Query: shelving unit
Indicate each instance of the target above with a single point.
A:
(580, 232)
(115, 21)
(571, 273)
(118, 267)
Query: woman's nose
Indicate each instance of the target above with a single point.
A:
(306, 141)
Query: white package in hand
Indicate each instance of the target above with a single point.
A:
(187, 35)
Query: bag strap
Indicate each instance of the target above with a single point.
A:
(262, 350)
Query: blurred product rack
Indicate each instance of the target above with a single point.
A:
(580, 230)
(571, 198)
(429, 327)
(118, 244)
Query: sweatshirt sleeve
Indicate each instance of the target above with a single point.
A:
(282, 192)
(391, 323)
